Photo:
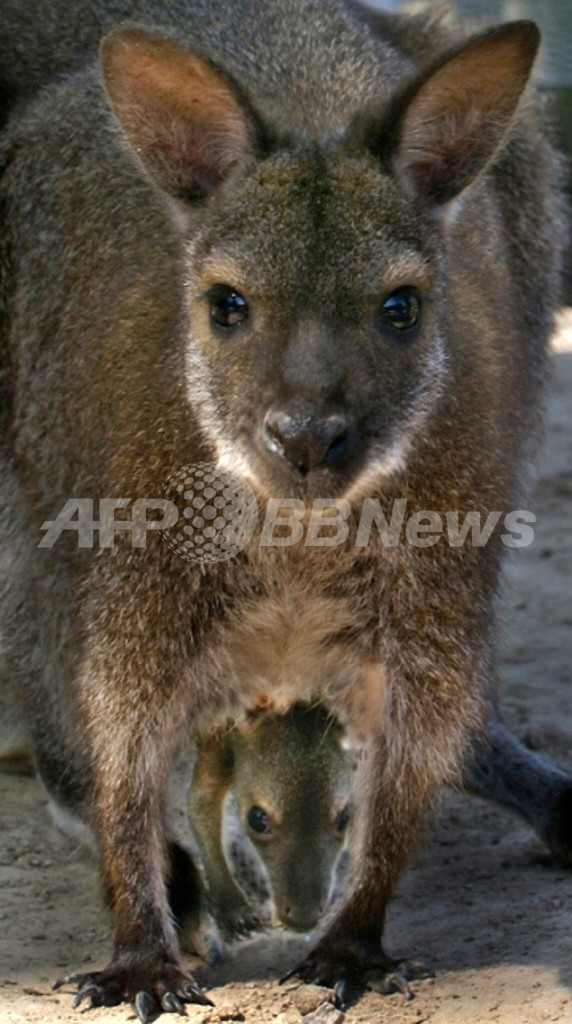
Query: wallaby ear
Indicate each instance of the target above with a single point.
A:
(186, 123)
(453, 122)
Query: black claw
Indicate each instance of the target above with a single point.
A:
(89, 991)
(172, 1004)
(384, 984)
(391, 982)
(414, 970)
(344, 993)
(293, 972)
(192, 994)
(71, 979)
(146, 1007)
(304, 971)
(402, 985)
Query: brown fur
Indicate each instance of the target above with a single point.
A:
(115, 377)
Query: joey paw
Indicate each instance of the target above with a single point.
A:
(150, 990)
(234, 915)
(212, 926)
(240, 924)
(350, 964)
(202, 937)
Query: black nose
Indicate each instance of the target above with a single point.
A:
(306, 441)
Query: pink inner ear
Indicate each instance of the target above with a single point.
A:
(455, 121)
(184, 121)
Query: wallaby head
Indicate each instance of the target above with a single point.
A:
(307, 376)
(285, 818)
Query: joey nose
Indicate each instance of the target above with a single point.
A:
(307, 441)
(298, 918)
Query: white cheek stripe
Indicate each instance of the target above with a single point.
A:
(233, 837)
(394, 459)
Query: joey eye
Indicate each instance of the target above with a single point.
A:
(228, 308)
(258, 821)
(400, 311)
(342, 821)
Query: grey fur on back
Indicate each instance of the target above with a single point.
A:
(42, 40)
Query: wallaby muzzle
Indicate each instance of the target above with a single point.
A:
(308, 440)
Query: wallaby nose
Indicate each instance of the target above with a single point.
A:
(306, 441)
(299, 919)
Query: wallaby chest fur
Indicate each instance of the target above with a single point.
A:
(319, 250)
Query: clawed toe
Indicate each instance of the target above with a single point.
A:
(305, 971)
(172, 1004)
(394, 981)
(191, 993)
(350, 964)
(73, 979)
(92, 992)
(167, 992)
(344, 994)
(146, 1007)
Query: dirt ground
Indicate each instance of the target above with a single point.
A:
(484, 906)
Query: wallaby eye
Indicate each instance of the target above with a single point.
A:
(400, 311)
(342, 821)
(229, 309)
(258, 821)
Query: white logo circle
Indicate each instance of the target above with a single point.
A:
(217, 513)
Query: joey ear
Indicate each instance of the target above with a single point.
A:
(453, 122)
(186, 123)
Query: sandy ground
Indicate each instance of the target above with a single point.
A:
(484, 905)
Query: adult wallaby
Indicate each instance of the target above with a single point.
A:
(321, 251)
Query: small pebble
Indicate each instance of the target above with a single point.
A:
(290, 1016)
(325, 1014)
(227, 1011)
(310, 997)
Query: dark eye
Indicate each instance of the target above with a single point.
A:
(342, 821)
(258, 821)
(400, 311)
(229, 309)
